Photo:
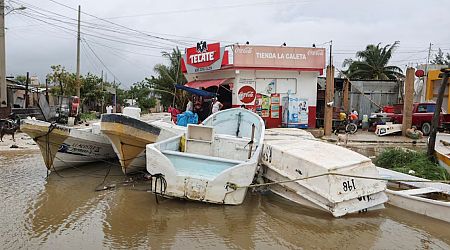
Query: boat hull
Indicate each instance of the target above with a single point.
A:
(304, 195)
(414, 197)
(63, 147)
(442, 150)
(129, 136)
(320, 164)
(435, 209)
(216, 164)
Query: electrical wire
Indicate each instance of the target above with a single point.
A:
(101, 61)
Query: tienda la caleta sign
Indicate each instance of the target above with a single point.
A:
(246, 94)
(278, 57)
(203, 57)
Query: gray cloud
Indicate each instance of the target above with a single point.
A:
(34, 46)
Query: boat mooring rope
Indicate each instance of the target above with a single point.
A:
(235, 186)
(162, 185)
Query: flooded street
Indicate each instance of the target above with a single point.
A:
(65, 212)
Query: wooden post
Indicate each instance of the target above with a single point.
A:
(27, 99)
(437, 112)
(329, 97)
(408, 100)
(345, 96)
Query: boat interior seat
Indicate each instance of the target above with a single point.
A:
(199, 166)
(197, 156)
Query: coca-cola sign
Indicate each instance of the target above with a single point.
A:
(246, 94)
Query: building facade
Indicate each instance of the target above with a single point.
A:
(277, 82)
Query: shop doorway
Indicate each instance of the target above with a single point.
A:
(224, 94)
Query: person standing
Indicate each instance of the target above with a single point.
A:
(190, 105)
(109, 109)
(216, 106)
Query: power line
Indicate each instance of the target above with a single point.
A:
(122, 41)
(101, 61)
(116, 24)
(221, 7)
(56, 17)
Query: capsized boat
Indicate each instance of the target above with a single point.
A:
(442, 150)
(202, 164)
(129, 134)
(286, 160)
(426, 198)
(64, 147)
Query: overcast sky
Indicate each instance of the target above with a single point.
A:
(126, 42)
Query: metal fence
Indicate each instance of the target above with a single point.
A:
(364, 94)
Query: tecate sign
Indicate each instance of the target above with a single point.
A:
(246, 94)
(204, 57)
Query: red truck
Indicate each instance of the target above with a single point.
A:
(422, 115)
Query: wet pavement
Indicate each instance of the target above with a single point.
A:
(65, 212)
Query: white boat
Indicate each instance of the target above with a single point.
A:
(129, 134)
(426, 198)
(442, 150)
(388, 129)
(64, 147)
(286, 160)
(210, 159)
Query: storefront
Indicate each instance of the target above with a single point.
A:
(277, 82)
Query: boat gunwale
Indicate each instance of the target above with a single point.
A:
(130, 121)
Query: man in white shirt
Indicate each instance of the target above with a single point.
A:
(190, 105)
(109, 109)
(216, 106)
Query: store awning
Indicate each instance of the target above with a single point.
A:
(205, 83)
(198, 92)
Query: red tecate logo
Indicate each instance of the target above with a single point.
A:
(203, 55)
(246, 94)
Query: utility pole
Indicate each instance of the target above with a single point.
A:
(331, 50)
(46, 88)
(329, 96)
(425, 77)
(3, 94)
(101, 112)
(78, 54)
(445, 75)
(27, 99)
(408, 100)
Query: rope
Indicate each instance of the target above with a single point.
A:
(162, 185)
(235, 186)
(94, 158)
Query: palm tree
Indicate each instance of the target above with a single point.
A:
(372, 64)
(166, 78)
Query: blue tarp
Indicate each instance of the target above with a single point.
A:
(186, 118)
(198, 92)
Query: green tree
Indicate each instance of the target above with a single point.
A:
(441, 59)
(163, 84)
(372, 64)
(142, 93)
(21, 78)
(64, 79)
(91, 92)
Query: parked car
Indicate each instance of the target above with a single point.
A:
(422, 116)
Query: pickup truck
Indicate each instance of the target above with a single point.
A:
(422, 115)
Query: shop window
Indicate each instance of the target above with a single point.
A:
(285, 85)
(278, 85)
(266, 86)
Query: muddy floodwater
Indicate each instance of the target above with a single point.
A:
(65, 212)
